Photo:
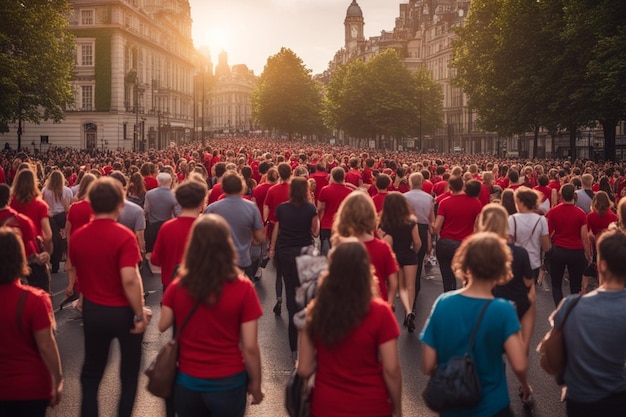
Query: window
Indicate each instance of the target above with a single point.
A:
(87, 97)
(86, 17)
(86, 52)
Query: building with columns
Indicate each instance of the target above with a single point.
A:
(133, 83)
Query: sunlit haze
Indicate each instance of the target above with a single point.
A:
(252, 30)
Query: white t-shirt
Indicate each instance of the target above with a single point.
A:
(57, 206)
(526, 237)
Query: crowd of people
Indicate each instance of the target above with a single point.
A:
(211, 215)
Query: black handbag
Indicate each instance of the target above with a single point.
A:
(456, 385)
(297, 396)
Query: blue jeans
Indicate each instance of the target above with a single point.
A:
(231, 403)
(445, 252)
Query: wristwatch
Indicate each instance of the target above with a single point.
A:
(138, 318)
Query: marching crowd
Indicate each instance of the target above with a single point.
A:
(211, 215)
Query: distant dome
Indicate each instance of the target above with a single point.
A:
(354, 10)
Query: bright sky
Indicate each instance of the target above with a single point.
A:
(250, 31)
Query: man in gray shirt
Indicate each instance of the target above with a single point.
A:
(242, 216)
(160, 206)
(422, 205)
(585, 196)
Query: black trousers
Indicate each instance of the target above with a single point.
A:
(612, 406)
(57, 223)
(26, 408)
(575, 262)
(102, 324)
(445, 252)
(285, 259)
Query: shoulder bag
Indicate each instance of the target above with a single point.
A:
(298, 395)
(162, 371)
(455, 386)
(552, 348)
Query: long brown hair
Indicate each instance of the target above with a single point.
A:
(136, 185)
(344, 293)
(55, 183)
(12, 258)
(25, 187)
(396, 211)
(83, 187)
(210, 259)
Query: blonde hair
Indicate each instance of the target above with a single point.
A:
(493, 218)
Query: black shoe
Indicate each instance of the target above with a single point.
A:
(278, 307)
(410, 322)
(68, 300)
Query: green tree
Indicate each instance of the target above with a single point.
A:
(518, 71)
(36, 62)
(286, 97)
(382, 97)
(595, 30)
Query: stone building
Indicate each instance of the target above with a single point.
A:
(422, 37)
(133, 83)
(229, 105)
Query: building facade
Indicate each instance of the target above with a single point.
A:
(133, 83)
(229, 102)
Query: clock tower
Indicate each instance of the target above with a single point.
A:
(354, 24)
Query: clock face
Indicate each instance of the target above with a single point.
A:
(355, 31)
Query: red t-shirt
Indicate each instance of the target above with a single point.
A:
(440, 187)
(26, 228)
(332, 195)
(170, 246)
(209, 343)
(427, 187)
(80, 214)
(321, 181)
(545, 191)
(554, 184)
(443, 196)
(99, 250)
(353, 177)
(36, 210)
(215, 193)
(150, 183)
(459, 212)
(23, 375)
(276, 195)
(485, 193)
(349, 379)
(366, 176)
(259, 193)
(597, 224)
(384, 261)
(379, 201)
(565, 221)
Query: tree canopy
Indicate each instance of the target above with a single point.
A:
(382, 97)
(286, 98)
(36, 61)
(526, 64)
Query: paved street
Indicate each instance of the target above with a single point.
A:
(276, 357)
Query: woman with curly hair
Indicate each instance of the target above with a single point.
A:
(356, 217)
(483, 260)
(398, 227)
(350, 337)
(219, 359)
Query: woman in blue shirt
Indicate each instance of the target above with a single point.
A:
(483, 260)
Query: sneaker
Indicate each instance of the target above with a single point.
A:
(259, 273)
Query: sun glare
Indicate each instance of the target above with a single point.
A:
(217, 38)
